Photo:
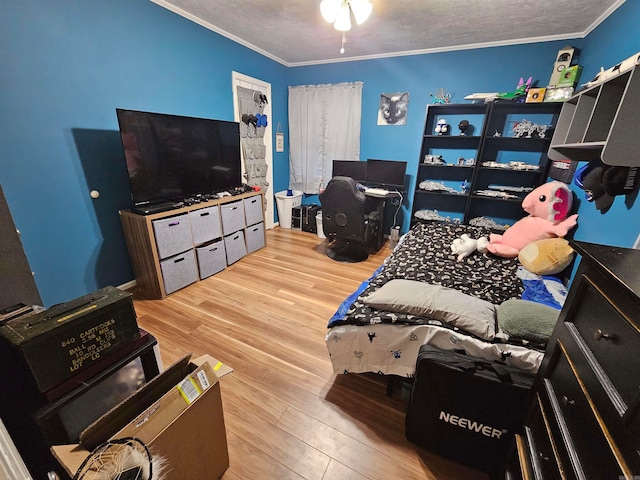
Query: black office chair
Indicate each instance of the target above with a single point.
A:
(344, 221)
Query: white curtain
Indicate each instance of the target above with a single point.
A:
(324, 124)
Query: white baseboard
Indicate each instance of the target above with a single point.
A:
(128, 285)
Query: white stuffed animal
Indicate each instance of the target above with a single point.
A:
(464, 246)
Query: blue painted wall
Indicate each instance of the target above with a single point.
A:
(615, 39)
(68, 65)
(460, 73)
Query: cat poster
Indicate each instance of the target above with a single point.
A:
(393, 108)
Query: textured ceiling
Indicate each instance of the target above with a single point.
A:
(293, 32)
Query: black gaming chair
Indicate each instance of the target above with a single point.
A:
(344, 221)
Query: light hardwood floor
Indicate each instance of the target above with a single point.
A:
(288, 416)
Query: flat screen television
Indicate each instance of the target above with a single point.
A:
(171, 157)
(350, 168)
(389, 174)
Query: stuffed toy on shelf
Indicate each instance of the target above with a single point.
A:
(549, 207)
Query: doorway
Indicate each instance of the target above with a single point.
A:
(251, 99)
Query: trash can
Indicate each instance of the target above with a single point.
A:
(285, 204)
(319, 224)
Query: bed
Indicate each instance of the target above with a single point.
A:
(370, 332)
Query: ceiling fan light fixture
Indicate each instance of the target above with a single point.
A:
(361, 10)
(339, 13)
(343, 19)
(329, 9)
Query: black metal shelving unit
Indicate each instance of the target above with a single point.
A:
(519, 156)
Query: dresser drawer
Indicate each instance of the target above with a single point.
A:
(541, 454)
(577, 422)
(517, 461)
(613, 341)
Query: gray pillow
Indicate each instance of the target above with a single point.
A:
(411, 297)
(527, 320)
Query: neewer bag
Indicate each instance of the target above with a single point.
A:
(466, 409)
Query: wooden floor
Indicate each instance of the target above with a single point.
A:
(288, 416)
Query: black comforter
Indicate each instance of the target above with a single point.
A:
(425, 255)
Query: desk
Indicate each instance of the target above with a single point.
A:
(378, 202)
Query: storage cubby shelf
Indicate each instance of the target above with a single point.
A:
(600, 123)
(170, 250)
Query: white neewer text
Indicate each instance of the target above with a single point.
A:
(472, 425)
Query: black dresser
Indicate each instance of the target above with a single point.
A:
(584, 421)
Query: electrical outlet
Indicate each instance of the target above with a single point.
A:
(637, 244)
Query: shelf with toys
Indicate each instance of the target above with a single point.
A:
(451, 142)
(488, 173)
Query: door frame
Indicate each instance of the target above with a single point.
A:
(241, 80)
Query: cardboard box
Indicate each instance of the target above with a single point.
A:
(566, 57)
(559, 94)
(570, 76)
(178, 415)
(535, 95)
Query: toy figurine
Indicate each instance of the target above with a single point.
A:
(526, 129)
(434, 159)
(463, 126)
(519, 93)
(442, 127)
(441, 97)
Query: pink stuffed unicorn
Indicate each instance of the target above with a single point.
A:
(548, 207)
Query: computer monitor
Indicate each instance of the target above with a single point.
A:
(388, 174)
(350, 168)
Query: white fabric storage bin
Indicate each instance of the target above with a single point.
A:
(253, 210)
(173, 235)
(211, 258)
(235, 247)
(205, 224)
(179, 271)
(232, 215)
(255, 237)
